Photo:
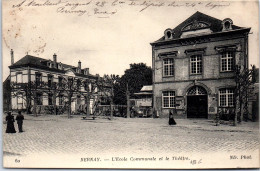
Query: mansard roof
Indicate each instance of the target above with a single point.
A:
(41, 63)
(214, 24)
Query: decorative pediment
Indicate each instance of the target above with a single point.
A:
(165, 54)
(195, 25)
(197, 50)
(230, 47)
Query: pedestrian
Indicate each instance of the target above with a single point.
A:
(20, 119)
(86, 109)
(171, 119)
(10, 123)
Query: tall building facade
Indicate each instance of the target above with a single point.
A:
(194, 66)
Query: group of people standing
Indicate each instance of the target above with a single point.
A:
(10, 122)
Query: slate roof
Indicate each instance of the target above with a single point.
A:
(147, 88)
(28, 59)
(215, 25)
(38, 62)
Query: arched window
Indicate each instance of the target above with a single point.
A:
(197, 90)
(227, 24)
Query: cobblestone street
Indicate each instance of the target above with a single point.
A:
(57, 135)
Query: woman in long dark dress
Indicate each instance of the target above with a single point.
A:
(171, 119)
(10, 123)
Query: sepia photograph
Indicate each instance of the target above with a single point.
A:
(130, 84)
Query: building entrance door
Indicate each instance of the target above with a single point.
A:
(197, 102)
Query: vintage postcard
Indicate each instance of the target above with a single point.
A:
(136, 84)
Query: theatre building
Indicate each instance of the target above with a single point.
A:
(194, 66)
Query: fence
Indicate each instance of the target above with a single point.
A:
(50, 109)
(226, 113)
(117, 110)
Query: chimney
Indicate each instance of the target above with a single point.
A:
(79, 66)
(12, 57)
(55, 60)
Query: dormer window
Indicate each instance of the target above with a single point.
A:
(168, 34)
(49, 64)
(60, 66)
(86, 71)
(227, 24)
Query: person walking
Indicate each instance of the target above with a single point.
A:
(20, 119)
(10, 123)
(171, 119)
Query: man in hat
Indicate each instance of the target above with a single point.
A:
(20, 119)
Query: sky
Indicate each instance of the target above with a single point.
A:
(107, 35)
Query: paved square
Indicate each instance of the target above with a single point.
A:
(57, 135)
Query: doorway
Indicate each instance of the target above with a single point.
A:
(197, 102)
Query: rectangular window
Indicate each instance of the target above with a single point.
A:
(19, 78)
(50, 98)
(78, 84)
(78, 100)
(61, 100)
(168, 99)
(50, 79)
(227, 61)
(196, 64)
(39, 99)
(69, 83)
(86, 86)
(20, 101)
(226, 97)
(86, 100)
(60, 81)
(168, 68)
(38, 78)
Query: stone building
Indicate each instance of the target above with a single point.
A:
(46, 85)
(193, 66)
(144, 97)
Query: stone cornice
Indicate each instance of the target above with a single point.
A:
(202, 38)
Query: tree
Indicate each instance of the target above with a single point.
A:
(26, 91)
(71, 86)
(136, 77)
(245, 78)
(29, 91)
(106, 86)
